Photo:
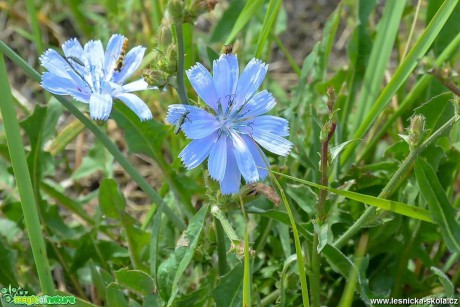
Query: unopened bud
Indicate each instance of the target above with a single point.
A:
(164, 36)
(176, 9)
(171, 55)
(330, 99)
(198, 7)
(416, 130)
(154, 77)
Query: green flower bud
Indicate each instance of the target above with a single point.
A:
(154, 77)
(416, 130)
(164, 37)
(171, 55)
(176, 9)
(198, 7)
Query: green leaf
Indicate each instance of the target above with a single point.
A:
(97, 159)
(115, 296)
(144, 137)
(228, 20)
(170, 271)
(267, 26)
(437, 111)
(230, 290)
(8, 259)
(111, 200)
(449, 288)
(394, 206)
(336, 150)
(343, 265)
(97, 281)
(438, 203)
(449, 31)
(323, 235)
(135, 280)
(248, 12)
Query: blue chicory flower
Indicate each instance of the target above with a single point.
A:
(93, 76)
(230, 134)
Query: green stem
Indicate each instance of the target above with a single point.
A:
(298, 246)
(21, 172)
(108, 144)
(247, 262)
(394, 182)
(181, 64)
(314, 276)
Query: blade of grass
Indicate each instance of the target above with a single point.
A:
(298, 246)
(402, 73)
(24, 183)
(249, 10)
(380, 55)
(269, 21)
(394, 206)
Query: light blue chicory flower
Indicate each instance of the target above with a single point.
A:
(91, 75)
(230, 134)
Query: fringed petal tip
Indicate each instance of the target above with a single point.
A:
(70, 41)
(258, 62)
(192, 68)
(44, 57)
(117, 35)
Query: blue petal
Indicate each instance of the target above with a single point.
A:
(199, 128)
(197, 151)
(100, 106)
(94, 54)
(55, 63)
(272, 142)
(272, 124)
(259, 156)
(62, 86)
(261, 103)
(135, 86)
(250, 80)
(112, 52)
(218, 159)
(73, 48)
(175, 111)
(232, 178)
(132, 61)
(203, 84)
(225, 77)
(244, 159)
(136, 104)
(234, 70)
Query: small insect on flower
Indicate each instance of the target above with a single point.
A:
(230, 130)
(94, 76)
(180, 122)
(228, 49)
(121, 58)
